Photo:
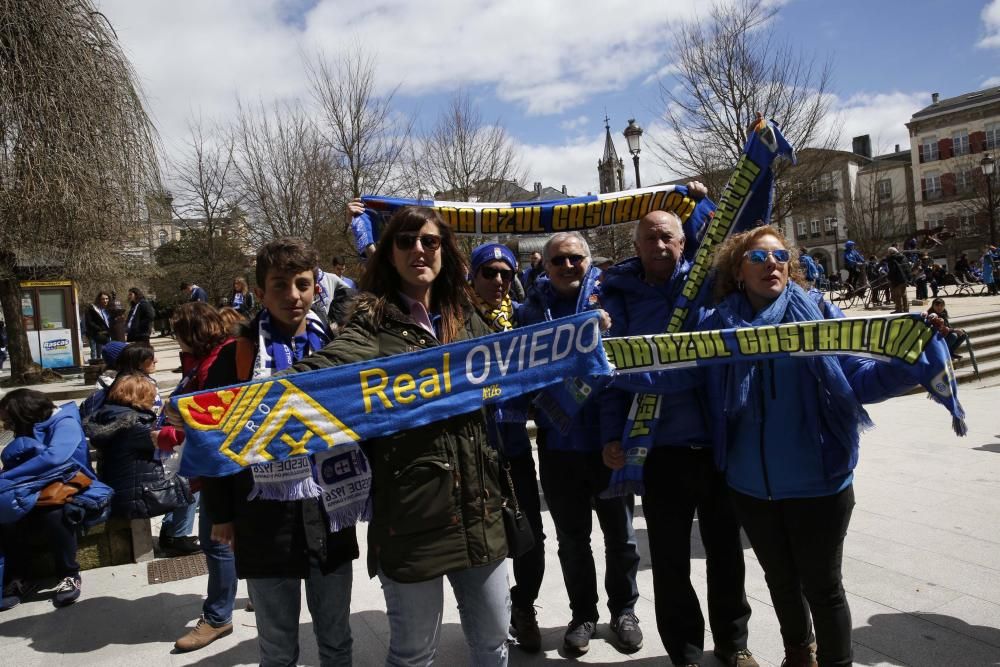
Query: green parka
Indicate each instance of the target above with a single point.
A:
(436, 488)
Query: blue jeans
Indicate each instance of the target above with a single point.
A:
(95, 350)
(277, 602)
(221, 594)
(180, 522)
(415, 610)
(571, 481)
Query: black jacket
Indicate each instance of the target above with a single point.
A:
(141, 326)
(126, 457)
(273, 538)
(95, 325)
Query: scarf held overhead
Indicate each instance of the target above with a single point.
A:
(274, 419)
(746, 199)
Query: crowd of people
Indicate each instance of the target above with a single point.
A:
(768, 446)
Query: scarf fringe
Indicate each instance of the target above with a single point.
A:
(302, 489)
(348, 516)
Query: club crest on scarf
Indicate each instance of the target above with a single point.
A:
(265, 422)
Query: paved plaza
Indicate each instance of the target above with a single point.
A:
(922, 570)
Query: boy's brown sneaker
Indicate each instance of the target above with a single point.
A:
(202, 635)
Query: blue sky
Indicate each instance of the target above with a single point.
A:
(548, 69)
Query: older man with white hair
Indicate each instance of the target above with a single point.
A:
(679, 473)
(572, 472)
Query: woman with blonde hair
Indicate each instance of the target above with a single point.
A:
(786, 436)
(242, 298)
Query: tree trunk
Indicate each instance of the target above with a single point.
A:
(18, 352)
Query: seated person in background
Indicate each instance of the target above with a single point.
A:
(49, 446)
(937, 315)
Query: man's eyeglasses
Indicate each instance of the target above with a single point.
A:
(406, 241)
(781, 256)
(564, 260)
(490, 273)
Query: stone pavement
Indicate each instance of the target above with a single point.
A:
(922, 569)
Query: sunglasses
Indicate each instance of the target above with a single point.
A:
(564, 260)
(490, 273)
(780, 256)
(428, 241)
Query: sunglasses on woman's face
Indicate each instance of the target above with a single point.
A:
(490, 273)
(428, 241)
(563, 260)
(780, 256)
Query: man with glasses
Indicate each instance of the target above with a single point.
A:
(493, 270)
(679, 473)
(572, 472)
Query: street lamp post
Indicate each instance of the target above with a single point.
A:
(632, 134)
(987, 164)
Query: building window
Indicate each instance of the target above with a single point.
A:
(932, 185)
(934, 220)
(801, 229)
(930, 148)
(884, 189)
(967, 223)
(830, 225)
(964, 182)
(993, 135)
(161, 237)
(960, 142)
(825, 182)
(814, 227)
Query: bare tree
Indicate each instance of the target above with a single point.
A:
(77, 150)
(289, 180)
(206, 199)
(367, 139)
(728, 68)
(464, 159)
(879, 215)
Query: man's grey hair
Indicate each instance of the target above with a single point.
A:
(677, 218)
(564, 236)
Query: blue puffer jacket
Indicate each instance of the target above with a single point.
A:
(638, 308)
(57, 451)
(543, 303)
(792, 452)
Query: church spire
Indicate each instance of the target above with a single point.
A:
(610, 168)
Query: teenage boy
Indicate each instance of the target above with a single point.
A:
(280, 543)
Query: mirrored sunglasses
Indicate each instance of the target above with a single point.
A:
(427, 241)
(780, 256)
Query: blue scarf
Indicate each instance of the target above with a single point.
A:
(277, 351)
(278, 419)
(849, 417)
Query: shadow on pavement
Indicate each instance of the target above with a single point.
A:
(929, 639)
(989, 447)
(95, 622)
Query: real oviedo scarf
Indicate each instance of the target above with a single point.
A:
(342, 478)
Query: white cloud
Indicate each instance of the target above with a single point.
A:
(991, 24)
(882, 116)
(571, 124)
(990, 82)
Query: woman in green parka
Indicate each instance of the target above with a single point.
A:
(436, 488)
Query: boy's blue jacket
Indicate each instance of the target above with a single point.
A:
(638, 308)
(871, 381)
(543, 303)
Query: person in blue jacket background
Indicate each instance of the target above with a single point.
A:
(787, 433)
(572, 472)
(679, 474)
(47, 439)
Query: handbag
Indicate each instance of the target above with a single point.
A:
(520, 537)
(58, 493)
(166, 494)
